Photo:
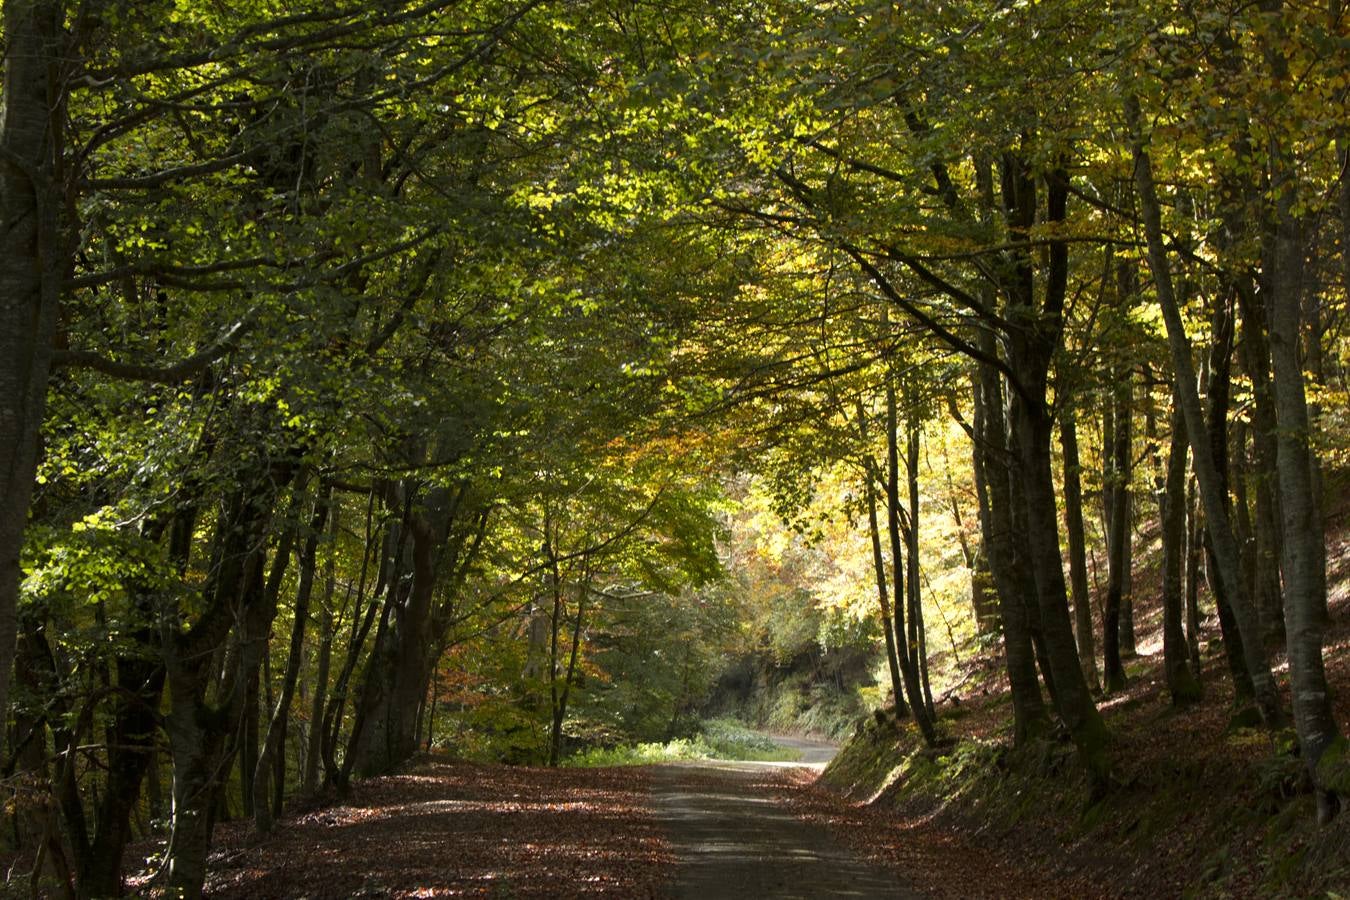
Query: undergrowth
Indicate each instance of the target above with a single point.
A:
(798, 703)
(1205, 828)
(724, 739)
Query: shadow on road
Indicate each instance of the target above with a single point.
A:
(732, 839)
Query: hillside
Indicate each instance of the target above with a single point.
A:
(1199, 806)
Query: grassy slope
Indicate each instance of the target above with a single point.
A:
(1200, 809)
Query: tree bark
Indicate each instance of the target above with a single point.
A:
(560, 702)
(1124, 418)
(983, 602)
(1266, 548)
(879, 568)
(1030, 718)
(309, 781)
(1118, 531)
(1032, 347)
(1181, 681)
(445, 541)
(1324, 750)
(33, 262)
(1211, 489)
(908, 656)
(389, 551)
(1217, 382)
(1194, 552)
(203, 715)
(918, 637)
(250, 740)
(131, 741)
(276, 727)
(1073, 514)
(395, 675)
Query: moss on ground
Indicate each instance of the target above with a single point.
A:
(1259, 835)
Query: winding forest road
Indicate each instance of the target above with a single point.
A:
(732, 840)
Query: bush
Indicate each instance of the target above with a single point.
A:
(724, 739)
(729, 739)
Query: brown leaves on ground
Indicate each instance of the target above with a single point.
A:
(448, 829)
(1198, 807)
(936, 861)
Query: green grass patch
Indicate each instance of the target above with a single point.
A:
(724, 739)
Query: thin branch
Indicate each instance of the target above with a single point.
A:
(172, 374)
(938, 329)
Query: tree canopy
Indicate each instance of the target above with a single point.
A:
(492, 373)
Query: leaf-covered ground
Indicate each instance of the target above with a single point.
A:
(1200, 806)
(1197, 806)
(450, 829)
(447, 829)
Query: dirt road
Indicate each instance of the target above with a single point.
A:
(704, 831)
(732, 838)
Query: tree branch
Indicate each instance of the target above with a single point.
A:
(171, 374)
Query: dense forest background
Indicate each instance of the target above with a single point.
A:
(529, 380)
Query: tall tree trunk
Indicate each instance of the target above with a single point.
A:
(396, 672)
(39, 819)
(318, 702)
(276, 728)
(1124, 394)
(1128, 647)
(879, 569)
(1075, 704)
(1217, 382)
(204, 710)
(560, 705)
(1073, 514)
(309, 780)
(154, 790)
(1181, 681)
(199, 734)
(388, 547)
(250, 740)
(1194, 553)
(1212, 493)
(908, 655)
(131, 741)
(1118, 530)
(131, 736)
(1266, 547)
(1032, 347)
(431, 711)
(247, 741)
(1026, 562)
(918, 637)
(983, 603)
(1029, 713)
(33, 262)
(1324, 750)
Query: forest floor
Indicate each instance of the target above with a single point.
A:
(1200, 807)
(454, 829)
(704, 830)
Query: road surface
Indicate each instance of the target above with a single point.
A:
(732, 841)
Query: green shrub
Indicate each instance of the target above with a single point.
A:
(730, 739)
(724, 739)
